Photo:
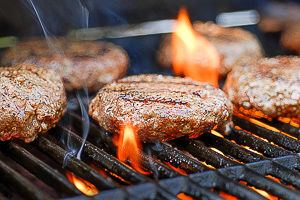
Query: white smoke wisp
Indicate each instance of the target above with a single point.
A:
(52, 42)
(85, 119)
(80, 13)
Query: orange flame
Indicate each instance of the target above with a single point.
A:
(183, 196)
(181, 171)
(193, 55)
(129, 147)
(227, 196)
(261, 192)
(82, 185)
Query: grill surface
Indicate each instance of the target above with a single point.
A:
(208, 172)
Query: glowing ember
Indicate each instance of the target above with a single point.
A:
(193, 55)
(183, 196)
(176, 169)
(129, 147)
(265, 194)
(261, 192)
(217, 150)
(246, 147)
(99, 170)
(227, 196)
(82, 185)
(217, 133)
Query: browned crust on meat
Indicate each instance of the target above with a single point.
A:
(159, 107)
(234, 45)
(32, 100)
(88, 64)
(270, 85)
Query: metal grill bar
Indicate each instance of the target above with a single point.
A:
(40, 169)
(74, 165)
(267, 149)
(188, 186)
(285, 173)
(203, 153)
(211, 179)
(228, 147)
(278, 138)
(176, 158)
(285, 127)
(19, 184)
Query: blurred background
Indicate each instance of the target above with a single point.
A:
(19, 18)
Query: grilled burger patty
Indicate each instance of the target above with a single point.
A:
(88, 64)
(234, 45)
(160, 107)
(32, 100)
(270, 85)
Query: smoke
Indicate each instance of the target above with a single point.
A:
(85, 119)
(40, 15)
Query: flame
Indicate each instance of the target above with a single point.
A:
(265, 194)
(262, 124)
(261, 192)
(227, 196)
(98, 169)
(183, 196)
(217, 150)
(82, 185)
(216, 133)
(193, 55)
(129, 147)
(254, 151)
(181, 171)
(255, 121)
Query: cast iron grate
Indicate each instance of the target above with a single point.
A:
(207, 172)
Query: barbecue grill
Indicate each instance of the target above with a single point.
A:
(251, 161)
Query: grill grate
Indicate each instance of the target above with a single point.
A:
(208, 172)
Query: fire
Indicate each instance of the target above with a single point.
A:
(183, 196)
(261, 192)
(227, 196)
(82, 185)
(257, 122)
(217, 150)
(193, 55)
(181, 171)
(217, 133)
(129, 147)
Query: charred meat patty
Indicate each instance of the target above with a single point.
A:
(32, 100)
(160, 107)
(234, 46)
(89, 64)
(269, 85)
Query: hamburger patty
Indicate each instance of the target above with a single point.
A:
(270, 85)
(160, 107)
(234, 46)
(88, 64)
(32, 100)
